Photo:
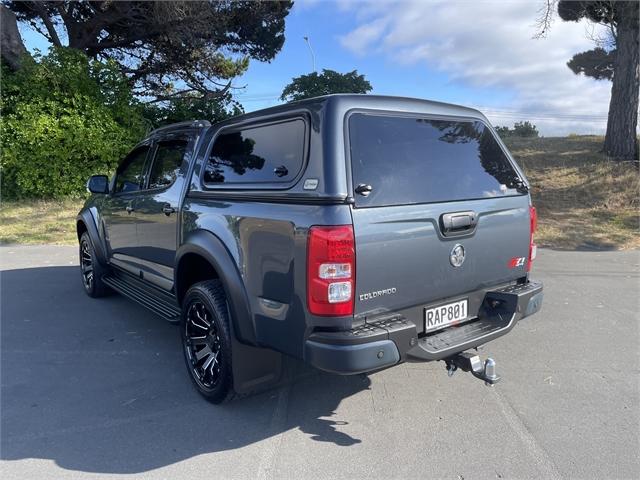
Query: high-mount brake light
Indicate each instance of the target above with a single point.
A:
(331, 262)
(533, 249)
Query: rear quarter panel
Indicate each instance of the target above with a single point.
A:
(268, 243)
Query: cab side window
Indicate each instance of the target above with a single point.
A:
(167, 162)
(130, 173)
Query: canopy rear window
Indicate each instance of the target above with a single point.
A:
(409, 160)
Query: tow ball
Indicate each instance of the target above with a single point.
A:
(468, 362)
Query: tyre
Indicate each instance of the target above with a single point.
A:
(206, 340)
(91, 269)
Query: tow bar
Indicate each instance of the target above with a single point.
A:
(468, 362)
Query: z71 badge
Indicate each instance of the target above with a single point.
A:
(516, 262)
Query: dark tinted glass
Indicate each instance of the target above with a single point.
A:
(169, 156)
(271, 153)
(131, 171)
(415, 160)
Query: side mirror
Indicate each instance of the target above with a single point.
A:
(98, 184)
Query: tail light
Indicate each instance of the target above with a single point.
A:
(533, 218)
(331, 262)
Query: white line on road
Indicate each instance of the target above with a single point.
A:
(545, 465)
(278, 424)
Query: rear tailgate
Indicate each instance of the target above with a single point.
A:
(419, 170)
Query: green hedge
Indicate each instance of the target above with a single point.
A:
(64, 118)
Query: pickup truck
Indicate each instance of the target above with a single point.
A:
(353, 232)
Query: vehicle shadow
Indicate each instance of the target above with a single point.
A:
(100, 385)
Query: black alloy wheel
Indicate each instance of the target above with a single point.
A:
(202, 345)
(91, 270)
(86, 264)
(206, 340)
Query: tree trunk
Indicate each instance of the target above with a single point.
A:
(12, 46)
(621, 140)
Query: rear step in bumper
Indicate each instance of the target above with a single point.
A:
(387, 341)
(499, 313)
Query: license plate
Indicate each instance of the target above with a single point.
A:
(444, 315)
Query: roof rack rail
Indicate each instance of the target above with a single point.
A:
(188, 123)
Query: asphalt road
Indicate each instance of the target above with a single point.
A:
(98, 388)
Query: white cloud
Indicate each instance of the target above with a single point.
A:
(490, 44)
(361, 39)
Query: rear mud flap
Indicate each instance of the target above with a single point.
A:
(255, 369)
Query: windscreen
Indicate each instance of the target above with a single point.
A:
(408, 160)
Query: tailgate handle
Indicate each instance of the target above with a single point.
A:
(458, 223)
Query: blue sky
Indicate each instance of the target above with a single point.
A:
(476, 53)
(325, 25)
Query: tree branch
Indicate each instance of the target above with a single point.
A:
(53, 35)
(145, 34)
(545, 18)
(42, 12)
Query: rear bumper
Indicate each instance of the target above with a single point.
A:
(392, 339)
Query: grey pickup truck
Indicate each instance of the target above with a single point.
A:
(353, 232)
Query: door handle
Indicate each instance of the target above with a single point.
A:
(168, 209)
(281, 171)
(129, 209)
(364, 189)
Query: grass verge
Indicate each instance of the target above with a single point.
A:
(39, 221)
(584, 200)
